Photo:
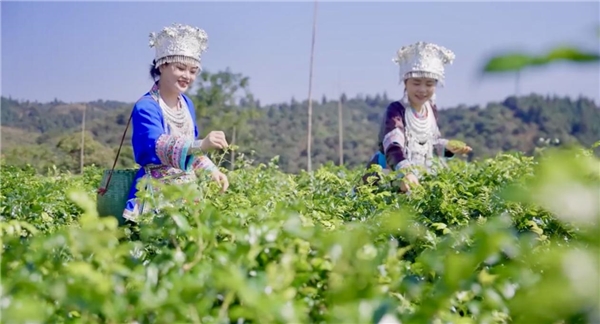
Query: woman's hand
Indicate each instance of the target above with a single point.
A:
(458, 147)
(408, 181)
(214, 140)
(221, 179)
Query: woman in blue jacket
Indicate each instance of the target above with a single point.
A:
(165, 135)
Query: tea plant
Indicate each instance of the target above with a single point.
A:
(506, 240)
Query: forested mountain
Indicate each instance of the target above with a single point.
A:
(46, 134)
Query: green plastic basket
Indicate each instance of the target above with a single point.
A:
(111, 202)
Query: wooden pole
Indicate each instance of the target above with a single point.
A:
(82, 140)
(340, 132)
(233, 152)
(340, 127)
(310, 77)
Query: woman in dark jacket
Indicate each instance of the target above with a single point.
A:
(409, 136)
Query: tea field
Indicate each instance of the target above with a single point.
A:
(513, 239)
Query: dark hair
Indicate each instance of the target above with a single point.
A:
(154, 71)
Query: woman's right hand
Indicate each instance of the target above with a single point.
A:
(408, 181)
(214, 140)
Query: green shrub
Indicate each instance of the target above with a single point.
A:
(506, 240)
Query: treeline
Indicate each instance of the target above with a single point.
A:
(47, 134)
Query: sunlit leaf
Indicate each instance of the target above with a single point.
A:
(508, 62)
(520, 61)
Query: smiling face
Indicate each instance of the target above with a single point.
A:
(178, 77)
(420, 90)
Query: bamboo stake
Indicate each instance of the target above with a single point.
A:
(310, 78)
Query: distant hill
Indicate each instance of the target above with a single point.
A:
(44, 134)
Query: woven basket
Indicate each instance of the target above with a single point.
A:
(112, 201)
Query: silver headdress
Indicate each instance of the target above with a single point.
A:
(423, 60)
(179, 43)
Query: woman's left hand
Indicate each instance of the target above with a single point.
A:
(220, 178)
(463, 150)
(457, 147)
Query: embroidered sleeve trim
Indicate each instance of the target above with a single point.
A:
(401, 168)
(402, 165)
(440, 144)
(203, 162)
(441, 150)
(173, 151)
(394, 137)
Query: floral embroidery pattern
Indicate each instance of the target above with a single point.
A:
(202, 162)
(172, 150)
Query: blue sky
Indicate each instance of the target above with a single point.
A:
(82, 51)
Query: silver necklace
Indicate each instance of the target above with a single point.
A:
(419, 133)
(177, 119)
(419, 127)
